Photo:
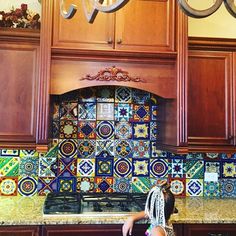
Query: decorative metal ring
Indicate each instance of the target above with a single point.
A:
(110, 8)
(70, 13)
(188, 10)
(231, 7)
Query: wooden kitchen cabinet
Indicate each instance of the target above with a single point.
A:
(139, 26)
(19, 231)
(211, 101)
(209, 230)
(19, 82)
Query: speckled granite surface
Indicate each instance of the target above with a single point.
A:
(28, 211)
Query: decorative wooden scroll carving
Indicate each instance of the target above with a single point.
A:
(113, 74)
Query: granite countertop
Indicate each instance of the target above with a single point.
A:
(28, 211)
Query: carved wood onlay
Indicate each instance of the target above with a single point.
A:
(113, 74)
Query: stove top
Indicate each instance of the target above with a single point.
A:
(75, 203)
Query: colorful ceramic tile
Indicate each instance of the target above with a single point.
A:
(8, 186)
(53, 149)
(177, 186)
(67, 167)
(55, 129)
(211, 189)
(47, 167)
(86, 130)
(194, 169)
(122, 185)
(140, 167)
(228, 169)
(159, 168)
(56, 111)
(153, 99)
(212, 167)
(85, 184)
(195, 156)
(141, 113)
(228, 188)
(225, 156)
(141, 149)
(123, 148)
(86, 148)
(105, 130)
(86, 167)
(68, 129)
(141, 130)
(140, 96)
(29, 166)
(66, 184)
(212, 156)
(194, 187)
(177, 168)
(87, 95)
(154, 112)
(105, 111)
(123, 112)
(46, 185)
(67, 148)
(29, 153)
(9, 166)
(123, 130)
(123, 95)
(9, 153)
(140, 184)
(87, 111)
(155, 152)
(104, 167)
(233, 156)
(68, 110)
(104, 148)
(27, 186)
(153, 131)
(104, 184)
(122, 167)
(105, 94)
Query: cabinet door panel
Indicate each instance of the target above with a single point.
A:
(78, 33)
(18, 92)
(19, 231)
(210, 100)
(146, 25)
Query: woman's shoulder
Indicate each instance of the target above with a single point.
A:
(158, 231)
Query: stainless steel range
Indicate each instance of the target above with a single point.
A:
(75, 203)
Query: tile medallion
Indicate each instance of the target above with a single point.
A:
(194, 187)
(140, 167)
(159, 168)
(123, 112)
(141, 130)
(104, 184)
(66, 184)
(177, 186)
(29, 166)
(68, 129)
(123, 148)
(105, 111)
(46, 185)
(87, 111)
(141, 113)
(104, 167)
(85, 184)
(228, 169)
(228, 188)
(177, 168)
(122, 185)
(8, 186)
(105, 130)
(123, 130)
(86, 148)
(86, 167)
(86, 130)
(141, 149)
(123, 95)
(47, 167)
(27, 186)
(140, 184)
(67, 148)
(211, 189)
(122, 167)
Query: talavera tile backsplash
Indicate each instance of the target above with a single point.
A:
(104, 140)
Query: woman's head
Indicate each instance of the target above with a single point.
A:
(160, 204)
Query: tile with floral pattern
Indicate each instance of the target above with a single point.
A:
(123, 112)
(29, 166)
(153, 131)
(8, 186)
(140, 184)
(86, 167)
(86, 130)
(177, 168)
(141, 113)
(178, 186)
(228, 169)
(141, 149)
(47, 166)
(211, 189)
(87, 111)
(85, 184)
(105, 111)
(123, 95)
(140, 167)
(67, 148)
(122, 185)
(212, 156)
(123, 130)
(154, 112)
(123, 148)
(68, 111)
(141, 130)
(46, 185)
(27, 186)
(212, 167)
(68, 129)
(9, 166)
(195, 156)
(66, 184)
(104, 148)
(194, 187)
(159, 168)
(86, 148)
(228, 188)
(104, 167)
(66, 167)
(123, 167)
(104, 184)
(105, 129)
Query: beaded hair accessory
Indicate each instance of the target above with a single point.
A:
(155, 206)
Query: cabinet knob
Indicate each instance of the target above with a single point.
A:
(119, 41)
(110, 41)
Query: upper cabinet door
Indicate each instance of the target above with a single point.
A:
(141, 25)
(210, 99)
(77, 33)
(146, 25)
